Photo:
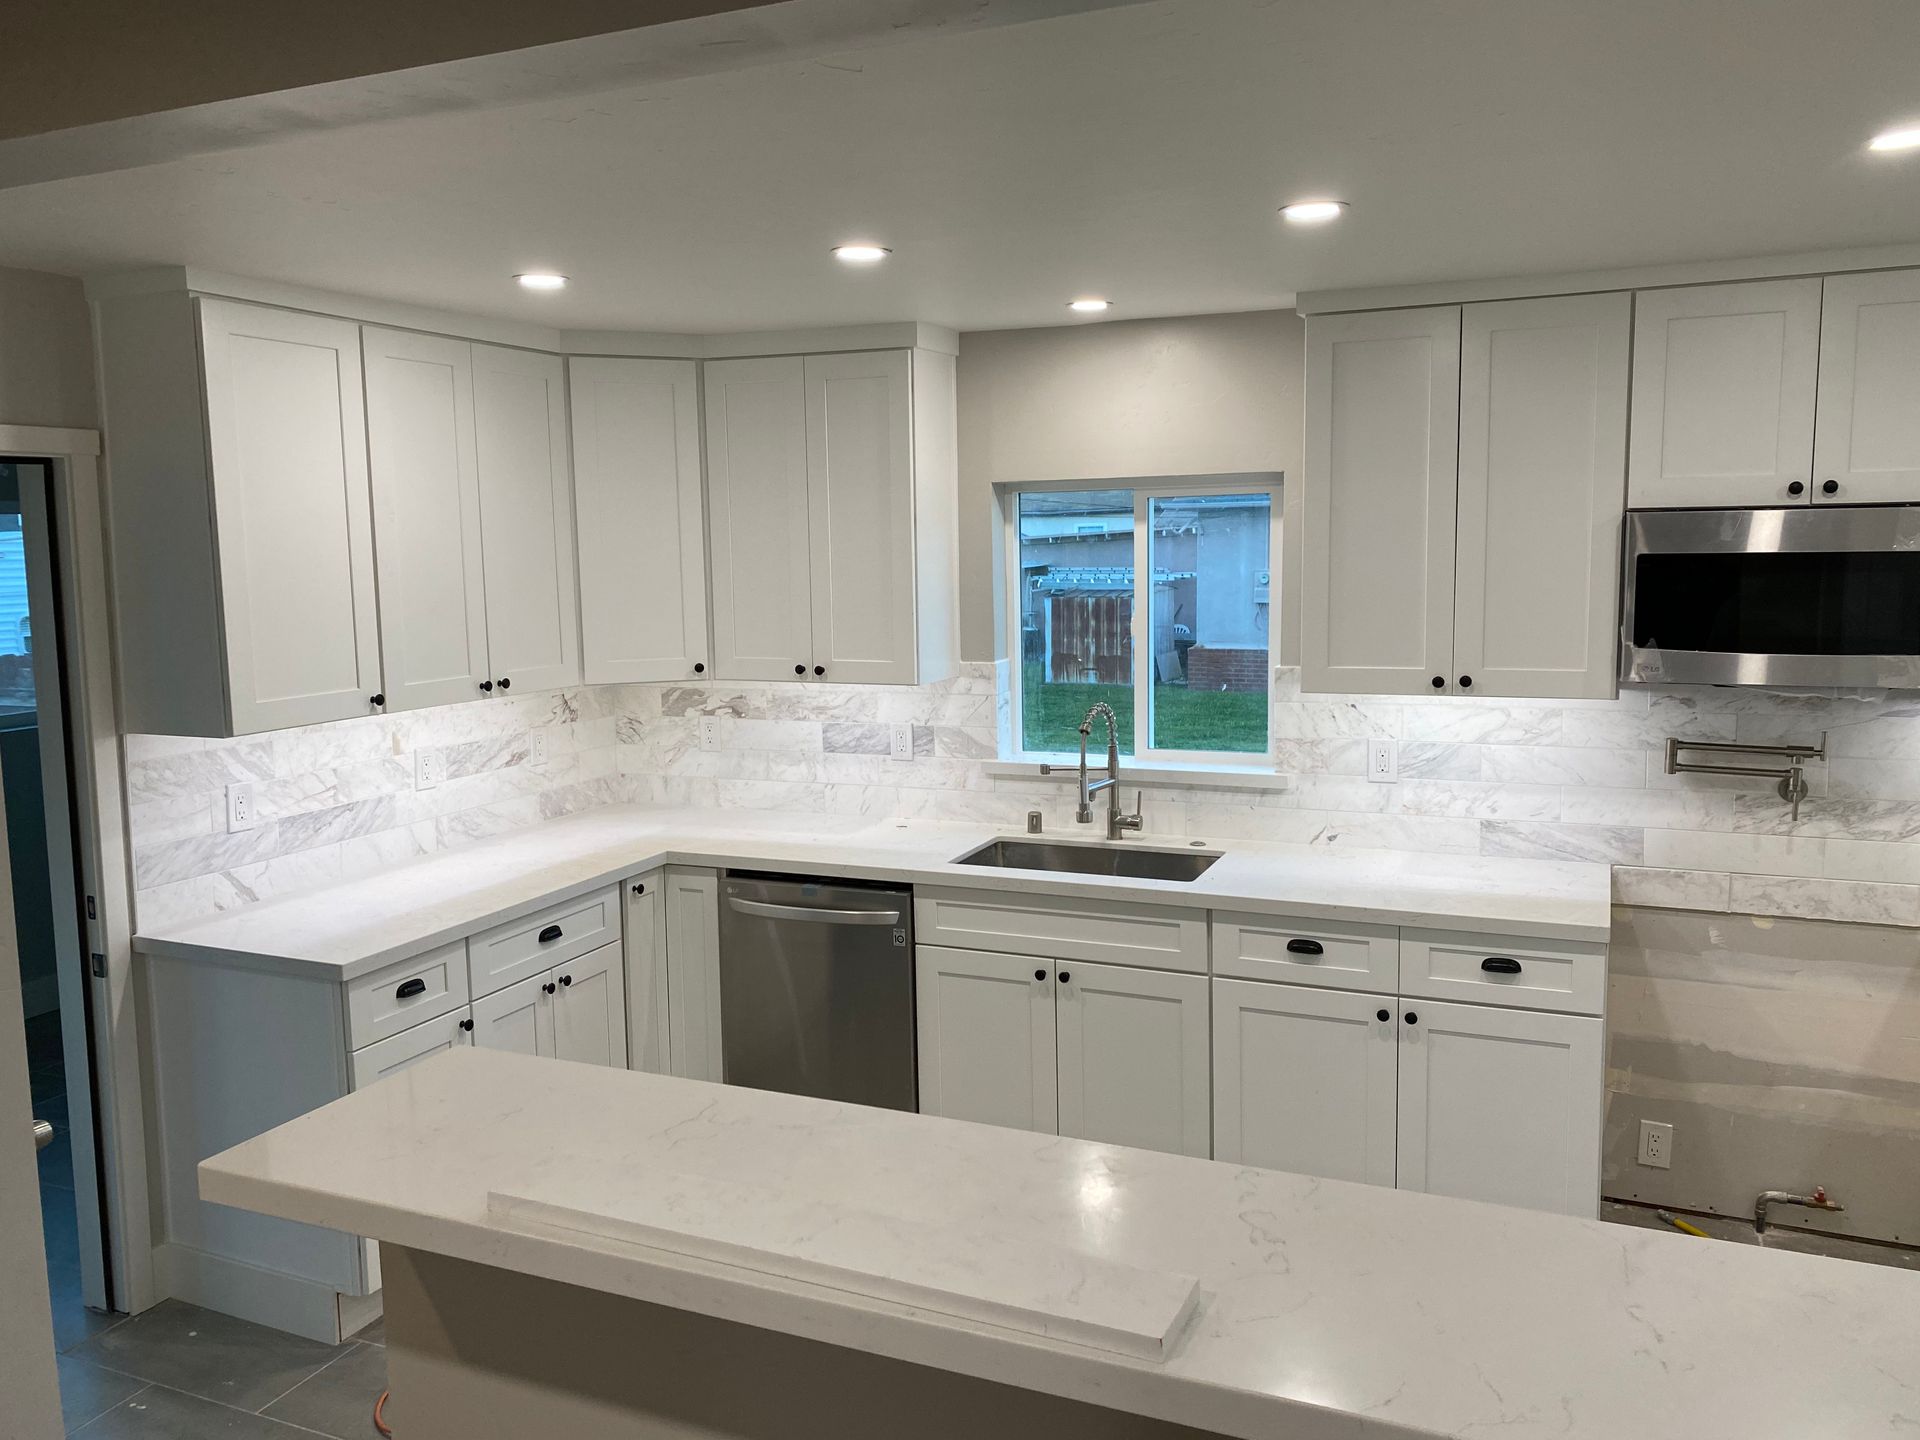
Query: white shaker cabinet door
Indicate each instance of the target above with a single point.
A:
(1132, 1052)
(422, 1042)
(518, 1018)
(1543, 451)
(645, 942)
(986, 1038)
(426, 517)
(287, 442)
(1501, 1105)
(1723, 394)
(860, 517)
(1304, 1079)
(693, 973)
(526, 519)
(640, 518)
(590, 1008)
(1866, 445)
(757, 504)
(1382, 410)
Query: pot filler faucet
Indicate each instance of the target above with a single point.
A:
(1117, 824)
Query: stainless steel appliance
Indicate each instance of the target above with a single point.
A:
(816, 988)
(1808, 596)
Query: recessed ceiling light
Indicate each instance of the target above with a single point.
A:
(1903, 139)
(1089, 305)
(1312, 212)
(861, 254)
(541, 280)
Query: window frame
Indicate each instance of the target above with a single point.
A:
(1145, 490)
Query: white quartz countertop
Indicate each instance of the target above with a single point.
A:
(1326, 1309)
(344, 930)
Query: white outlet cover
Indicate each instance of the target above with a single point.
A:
(1656, 1145)
(709, 733)
(901, 742)
(429, 767)
(537, 749)
(241, 812)
(1383, 760)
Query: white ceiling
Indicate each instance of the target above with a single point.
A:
(1137, 152)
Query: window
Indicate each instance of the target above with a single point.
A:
(1154, 598)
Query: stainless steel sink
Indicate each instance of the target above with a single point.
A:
(1133, 862)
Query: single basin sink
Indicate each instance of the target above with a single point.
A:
(1134, 862)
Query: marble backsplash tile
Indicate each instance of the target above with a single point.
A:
(1526, 778)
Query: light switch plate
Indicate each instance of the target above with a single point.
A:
(241, 814)
(429, 767)
(1656, 1145)
(901, 742)
(537, 750)
(1383, 760)
(709, 733)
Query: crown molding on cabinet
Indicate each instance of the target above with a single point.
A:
(1584, 282)
(160, 279)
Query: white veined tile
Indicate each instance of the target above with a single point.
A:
(1817, 899)
(1745, 854)
(1671, 889)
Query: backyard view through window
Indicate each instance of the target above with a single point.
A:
(1157, 602)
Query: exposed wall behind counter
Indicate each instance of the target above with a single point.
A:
(46, 352)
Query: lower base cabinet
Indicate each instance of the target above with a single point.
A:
(575, 1011)
(1101, 1052)
(693, 972)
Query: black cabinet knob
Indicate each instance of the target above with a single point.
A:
(410, 988)
(1830, 487)
(550, 934)
(1039, 974)
(1439, 682)
(486, 687)
(548, 987)
(1383, 1014)
(799, 669)
(699, 667)
(376, 699)
(639, 889)
(1466, 682)
(819, 669)
(1796, 488)
(506, 682)
(466, 1025)
(1305, 947)
(1412, 1018)
(1500, 965)
(566, 979)
(1065, 975)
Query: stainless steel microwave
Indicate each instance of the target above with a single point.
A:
(1806, 596)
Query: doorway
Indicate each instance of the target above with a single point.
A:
(43, 843)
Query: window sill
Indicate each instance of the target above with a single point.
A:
(1187, 777)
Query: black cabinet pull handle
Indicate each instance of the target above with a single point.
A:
(1383, 1014)
(566, 979)
(486, 687)
(410, 988)
(1039, 974)
(819, 669)
(376, 699)
(506, 682)
(1500, 965)
(1830, 487)
(1466, 682)
(639, 889)
(1305, 947)
(1412, 1018)
(1796, 488)
(1439, 682)
(466, 1025)
(699, 667)
(548, 987)
(550, 934)
(799, 669)
(1065, 975)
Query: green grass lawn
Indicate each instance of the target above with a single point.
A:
(1188, 719)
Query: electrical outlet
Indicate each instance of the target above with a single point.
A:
(537, 750)
(1656, 1144)
(901, 742)
(709, 733)
(241, 814)
(1383, 760)
(429, 767)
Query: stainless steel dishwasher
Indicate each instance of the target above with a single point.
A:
(816, 988)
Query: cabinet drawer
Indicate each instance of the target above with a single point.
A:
(1158, 937)
(538, 942)
(409, 1047)
(405, 993)
(1272, 947)
(1499, 970)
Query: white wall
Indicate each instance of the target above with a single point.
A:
(1198, 395)
(46, 352)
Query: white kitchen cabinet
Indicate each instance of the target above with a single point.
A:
(640, 519)
(421, 1042)
(986, 1031)
(1542, 489)
(518, 1018)
(645, 931)
(1131, 1049)
(1376, 597)
(1304, 1079)
(831, 488)
(590, 1008)
(526, 508)
(426, 517)
(1723, 394)
(1501, 1105)
(693, 972)
(242, 531)
(1866, 443)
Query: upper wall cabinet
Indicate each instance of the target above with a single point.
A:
(1866, 445)
(240, 515)
(1723, 394)
(638, 512)
(1463, 499)
(831, 486)
(1376, 600)
(473, 519)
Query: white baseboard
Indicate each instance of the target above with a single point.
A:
(266, 1297)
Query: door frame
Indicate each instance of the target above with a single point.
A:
(97, 784)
